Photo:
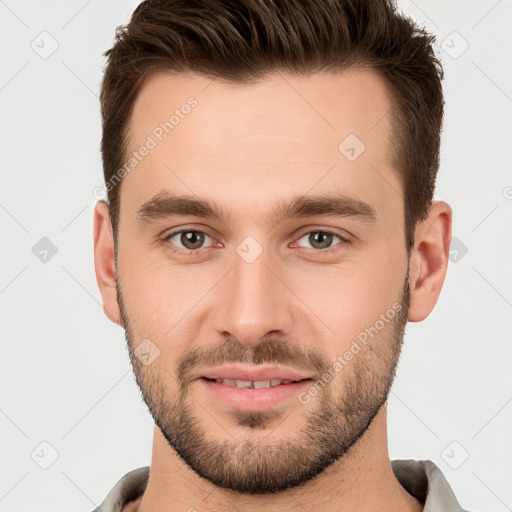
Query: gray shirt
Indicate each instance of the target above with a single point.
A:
(420, 478)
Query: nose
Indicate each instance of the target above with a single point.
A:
(252, 302)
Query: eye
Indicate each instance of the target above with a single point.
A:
(191, 241)
(188, 240)
(320, 239)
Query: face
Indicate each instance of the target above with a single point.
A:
(254, 234)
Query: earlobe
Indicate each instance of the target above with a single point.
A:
(104, 261)
(429, 260)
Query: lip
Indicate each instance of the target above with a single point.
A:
(247, 399)
(238, 372)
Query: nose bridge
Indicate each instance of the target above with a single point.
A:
(252, 301)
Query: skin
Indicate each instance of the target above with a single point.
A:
(248, 148)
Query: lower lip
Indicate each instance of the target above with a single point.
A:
(247, 399)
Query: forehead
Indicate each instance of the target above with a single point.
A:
(279, 105)
(248, 141)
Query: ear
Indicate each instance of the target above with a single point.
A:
(429, 260)
(104, 261)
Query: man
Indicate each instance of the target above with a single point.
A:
(269, 231)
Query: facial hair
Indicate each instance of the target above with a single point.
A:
(334, 422)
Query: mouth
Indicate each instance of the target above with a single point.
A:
(264, 376)
(254, 384)
(254, 395)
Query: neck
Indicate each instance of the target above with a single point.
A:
(360, 480)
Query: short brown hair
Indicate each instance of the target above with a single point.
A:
(244, 40)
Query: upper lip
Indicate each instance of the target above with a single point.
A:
(254, 373)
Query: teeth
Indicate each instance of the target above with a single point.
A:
(254, 384)
(243, 383)
(264, 383)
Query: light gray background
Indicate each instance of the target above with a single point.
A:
(65, 374)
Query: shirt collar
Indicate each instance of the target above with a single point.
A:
(420, 478)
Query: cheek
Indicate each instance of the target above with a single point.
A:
(159, 295)
(350, 296)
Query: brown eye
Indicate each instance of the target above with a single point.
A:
(320, 239)
(189, 240)
(192, 239)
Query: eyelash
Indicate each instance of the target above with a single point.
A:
(196, 252)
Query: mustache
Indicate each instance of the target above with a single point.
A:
(268, 351)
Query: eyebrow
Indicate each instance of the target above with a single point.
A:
(164, 205)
